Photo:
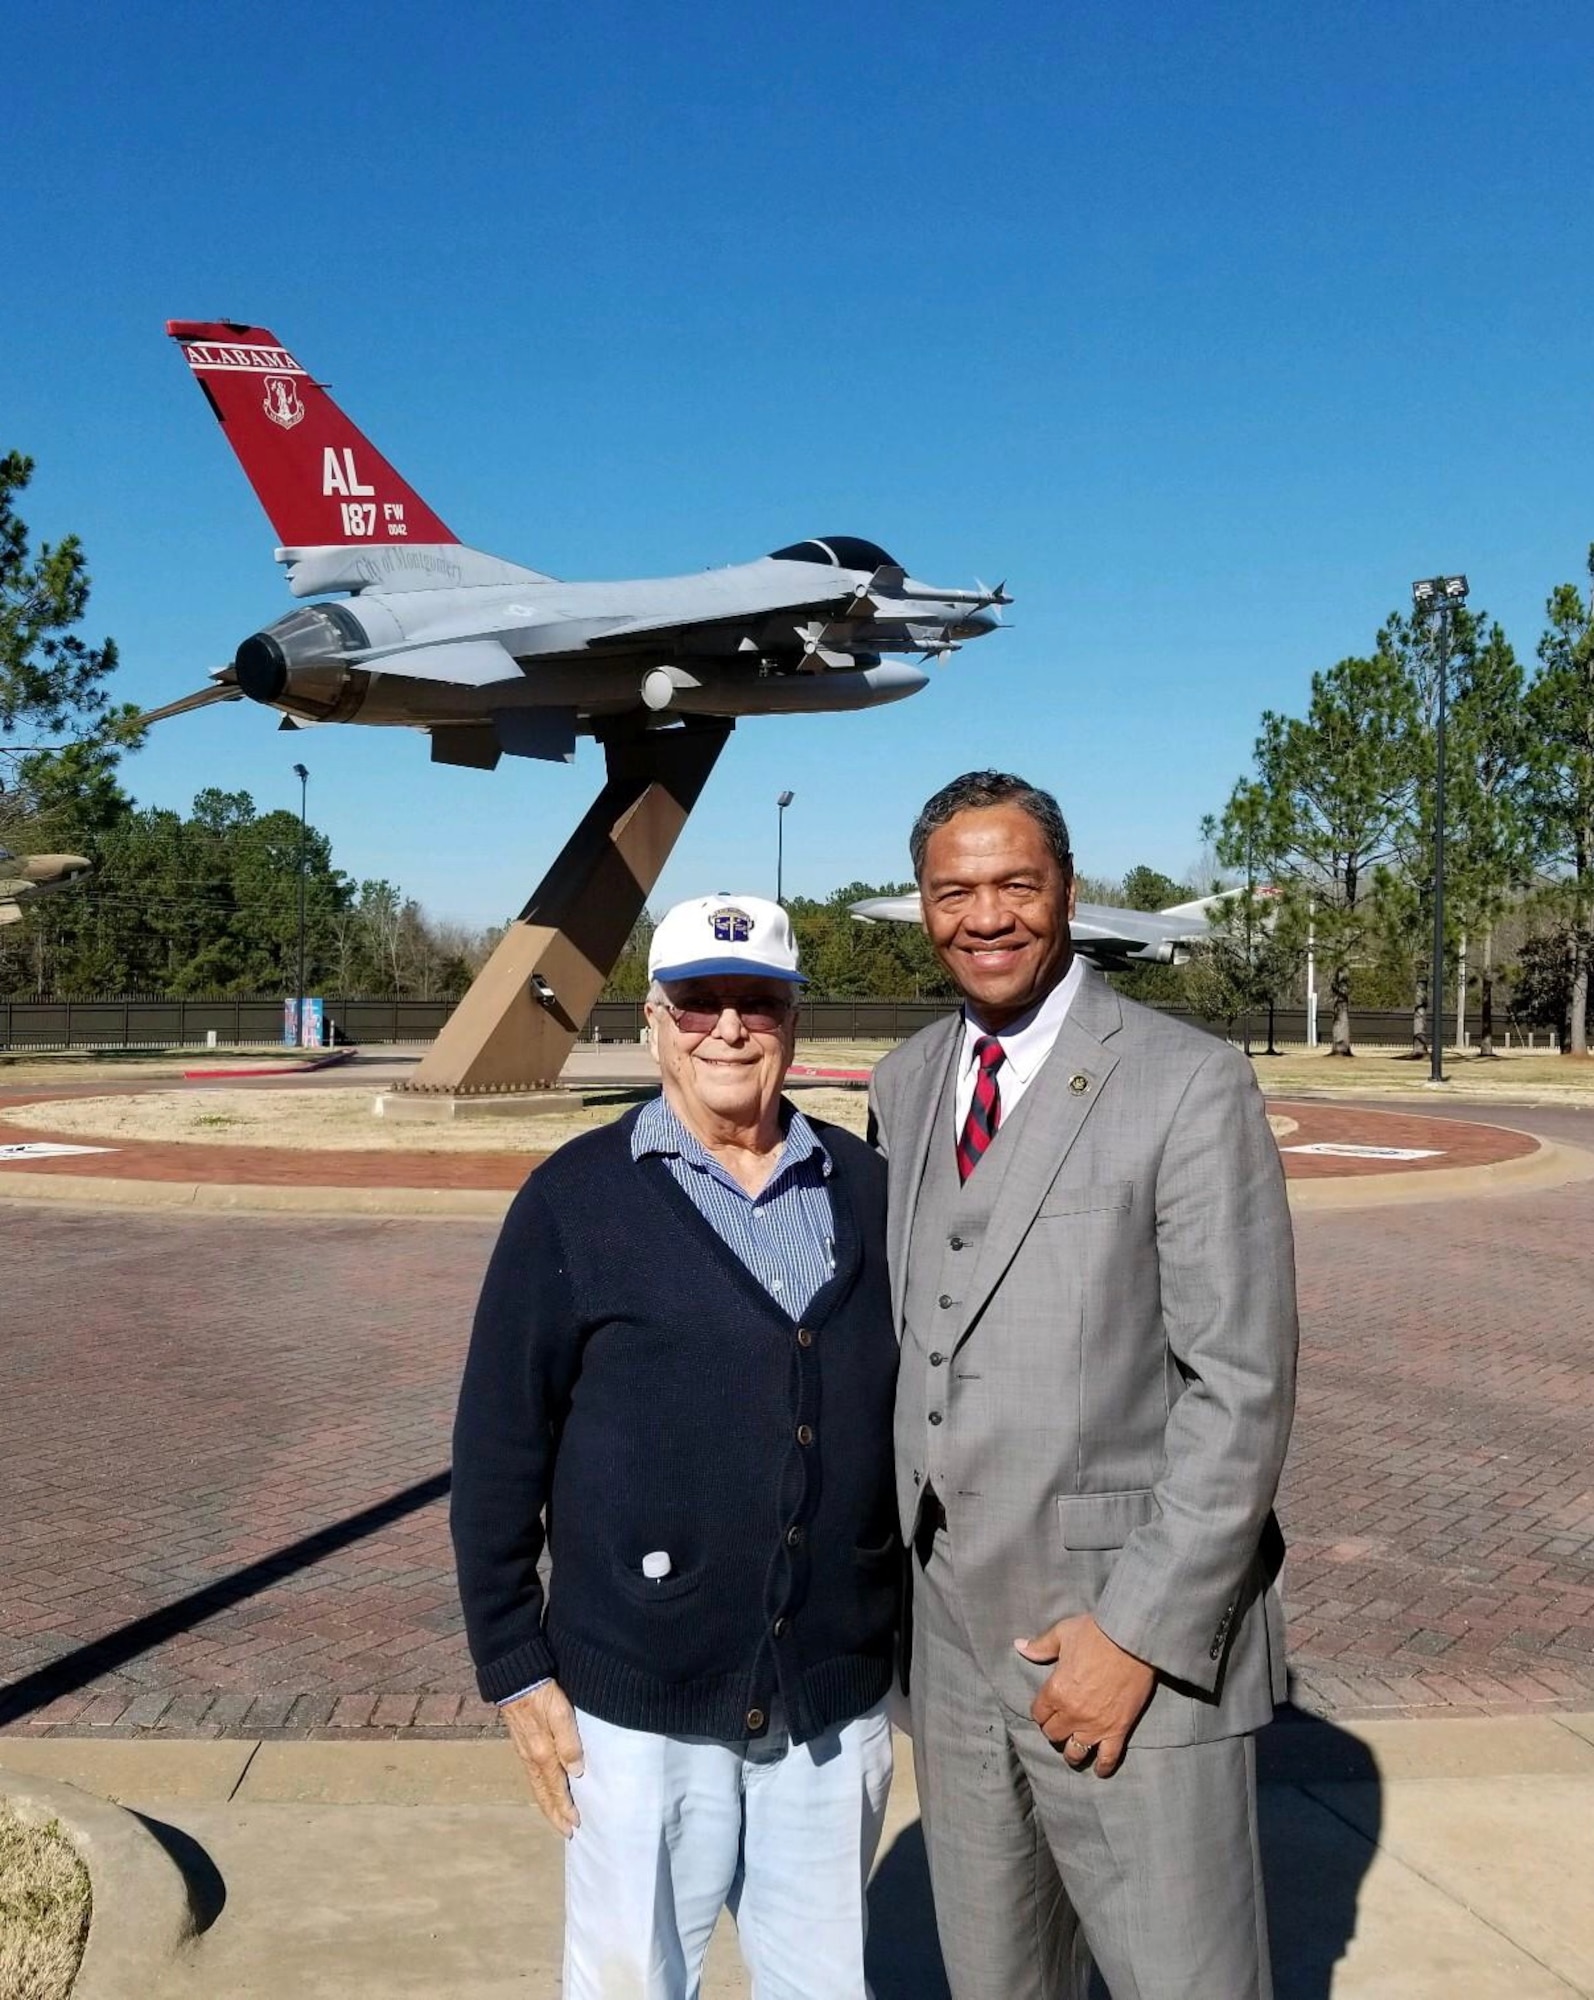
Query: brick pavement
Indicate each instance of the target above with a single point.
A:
(223, 1445)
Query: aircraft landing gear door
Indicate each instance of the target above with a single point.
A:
(516, 1026)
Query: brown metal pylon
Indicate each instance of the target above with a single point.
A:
(516, 1025)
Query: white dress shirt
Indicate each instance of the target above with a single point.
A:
(1025, 1046)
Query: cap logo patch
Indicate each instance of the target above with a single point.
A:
(731, 926)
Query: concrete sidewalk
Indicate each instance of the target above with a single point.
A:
(1407, 1860)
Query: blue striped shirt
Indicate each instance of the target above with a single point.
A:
(785, 1234)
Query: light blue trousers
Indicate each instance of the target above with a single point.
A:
(676, 1828)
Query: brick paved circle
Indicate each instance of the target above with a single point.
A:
(224, 1443)
(1437, 1143)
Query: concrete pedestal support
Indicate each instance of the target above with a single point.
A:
(515, 1027)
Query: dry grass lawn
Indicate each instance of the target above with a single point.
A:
(44, 1910)
(1381, 1072)
(339, 1120)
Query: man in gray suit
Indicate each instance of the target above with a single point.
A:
(1093, 1275)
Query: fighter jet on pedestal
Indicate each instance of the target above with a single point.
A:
(23, 877)
(1110, 937)
(491, 658)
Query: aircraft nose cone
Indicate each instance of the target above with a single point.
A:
(975, 624)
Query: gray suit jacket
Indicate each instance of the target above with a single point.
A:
(1117, 1384)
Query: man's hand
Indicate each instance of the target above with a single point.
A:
(542, 1726)
(1093, 1696)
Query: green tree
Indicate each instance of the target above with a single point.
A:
(845, 959)
(50, 679)
(1149, 889)
(1494, 830)
(1330, 805)
(1404, 883)
(1560, 706)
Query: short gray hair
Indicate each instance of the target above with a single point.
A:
(976, 790)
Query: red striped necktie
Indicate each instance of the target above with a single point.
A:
(985, 1109)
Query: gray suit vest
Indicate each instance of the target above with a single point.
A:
(950, 1219)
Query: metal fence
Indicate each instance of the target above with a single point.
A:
(234, 1020)
(242, 1021)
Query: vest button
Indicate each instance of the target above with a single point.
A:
(954, 1242)
(944, 1301)
(937, 1358)
(755, 1721)
(935, 1416)
(804, 1337)
(805, 1433)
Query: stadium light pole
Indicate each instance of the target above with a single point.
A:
(1437, 597)
(304, 795)
(781, 804)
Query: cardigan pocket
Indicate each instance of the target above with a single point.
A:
(657, 1590)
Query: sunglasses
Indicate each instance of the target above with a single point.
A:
(759, 1013)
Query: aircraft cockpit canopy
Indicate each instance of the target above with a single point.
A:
(839, 551)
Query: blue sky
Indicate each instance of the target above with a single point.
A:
(1207, 327)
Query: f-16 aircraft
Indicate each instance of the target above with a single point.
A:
(23, 876)
(490, 657)
(1113, 938)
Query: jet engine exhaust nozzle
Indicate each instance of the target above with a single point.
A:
(261, 667)
(299, 664)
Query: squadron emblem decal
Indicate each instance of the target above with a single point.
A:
(731, 926)
(282, 401)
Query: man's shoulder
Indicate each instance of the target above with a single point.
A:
(1178, 1044)
(908, 1057)
(595, 1155)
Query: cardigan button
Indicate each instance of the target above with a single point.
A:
(755, 1721)
(779, 1626)
(805, 1433)
(804, 1337)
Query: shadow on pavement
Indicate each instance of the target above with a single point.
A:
(207, 1892)
(103, 1656)
(1313, 1860)
(904, 1958)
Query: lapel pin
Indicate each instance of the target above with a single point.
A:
(1078, 1084)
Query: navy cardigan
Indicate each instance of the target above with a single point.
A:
(630, 1379)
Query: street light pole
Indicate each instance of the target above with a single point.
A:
(1439, 596)
(781, 804)
(304, 793)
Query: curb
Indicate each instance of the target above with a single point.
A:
(141, 1914)
(1551, 1166)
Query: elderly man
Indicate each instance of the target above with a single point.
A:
(1093, 1268)
(683, 1360)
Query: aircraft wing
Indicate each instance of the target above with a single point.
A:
(1107, 935)
(754, 609)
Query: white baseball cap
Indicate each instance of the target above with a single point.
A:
(714, 935)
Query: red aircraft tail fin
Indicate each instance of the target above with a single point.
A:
(321, 481)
